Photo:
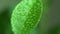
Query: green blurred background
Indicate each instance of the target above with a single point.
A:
(50, 21)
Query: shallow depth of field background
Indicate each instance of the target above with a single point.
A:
(53, 16)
